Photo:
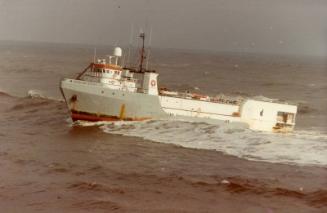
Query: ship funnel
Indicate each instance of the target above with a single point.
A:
(118, 52)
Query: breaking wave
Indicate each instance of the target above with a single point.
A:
(3, 94)
(34, 103)
(40, 94)
(36, 94)
(32, 93)
(300, 147)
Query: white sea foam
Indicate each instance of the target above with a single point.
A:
(33, 93)
(102, 123)
(300, 147)
(36, 94)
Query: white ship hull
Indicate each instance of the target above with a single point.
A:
(94, 102)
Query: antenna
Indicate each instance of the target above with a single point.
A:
(149, 50)
(94, 54)
(110, 57)
(142, 36)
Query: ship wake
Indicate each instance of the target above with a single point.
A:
(299, 147)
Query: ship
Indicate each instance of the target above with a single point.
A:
(106, 90)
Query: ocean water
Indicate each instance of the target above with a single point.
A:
(158, 165)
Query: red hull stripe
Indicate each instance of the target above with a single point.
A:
(92, 117)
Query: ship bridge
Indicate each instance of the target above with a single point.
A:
(110, 74)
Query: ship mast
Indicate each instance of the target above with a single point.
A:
(142, 36)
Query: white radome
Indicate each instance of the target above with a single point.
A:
(118, 52)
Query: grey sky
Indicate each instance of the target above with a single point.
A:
(268, 26)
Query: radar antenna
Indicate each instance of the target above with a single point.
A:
(142, 36)
(149, 50)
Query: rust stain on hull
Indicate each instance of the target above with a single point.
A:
(84, 116)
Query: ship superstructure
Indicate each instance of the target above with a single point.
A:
(107, 91)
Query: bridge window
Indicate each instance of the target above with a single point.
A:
(285, 117)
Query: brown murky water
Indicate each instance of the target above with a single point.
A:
(49, 164)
